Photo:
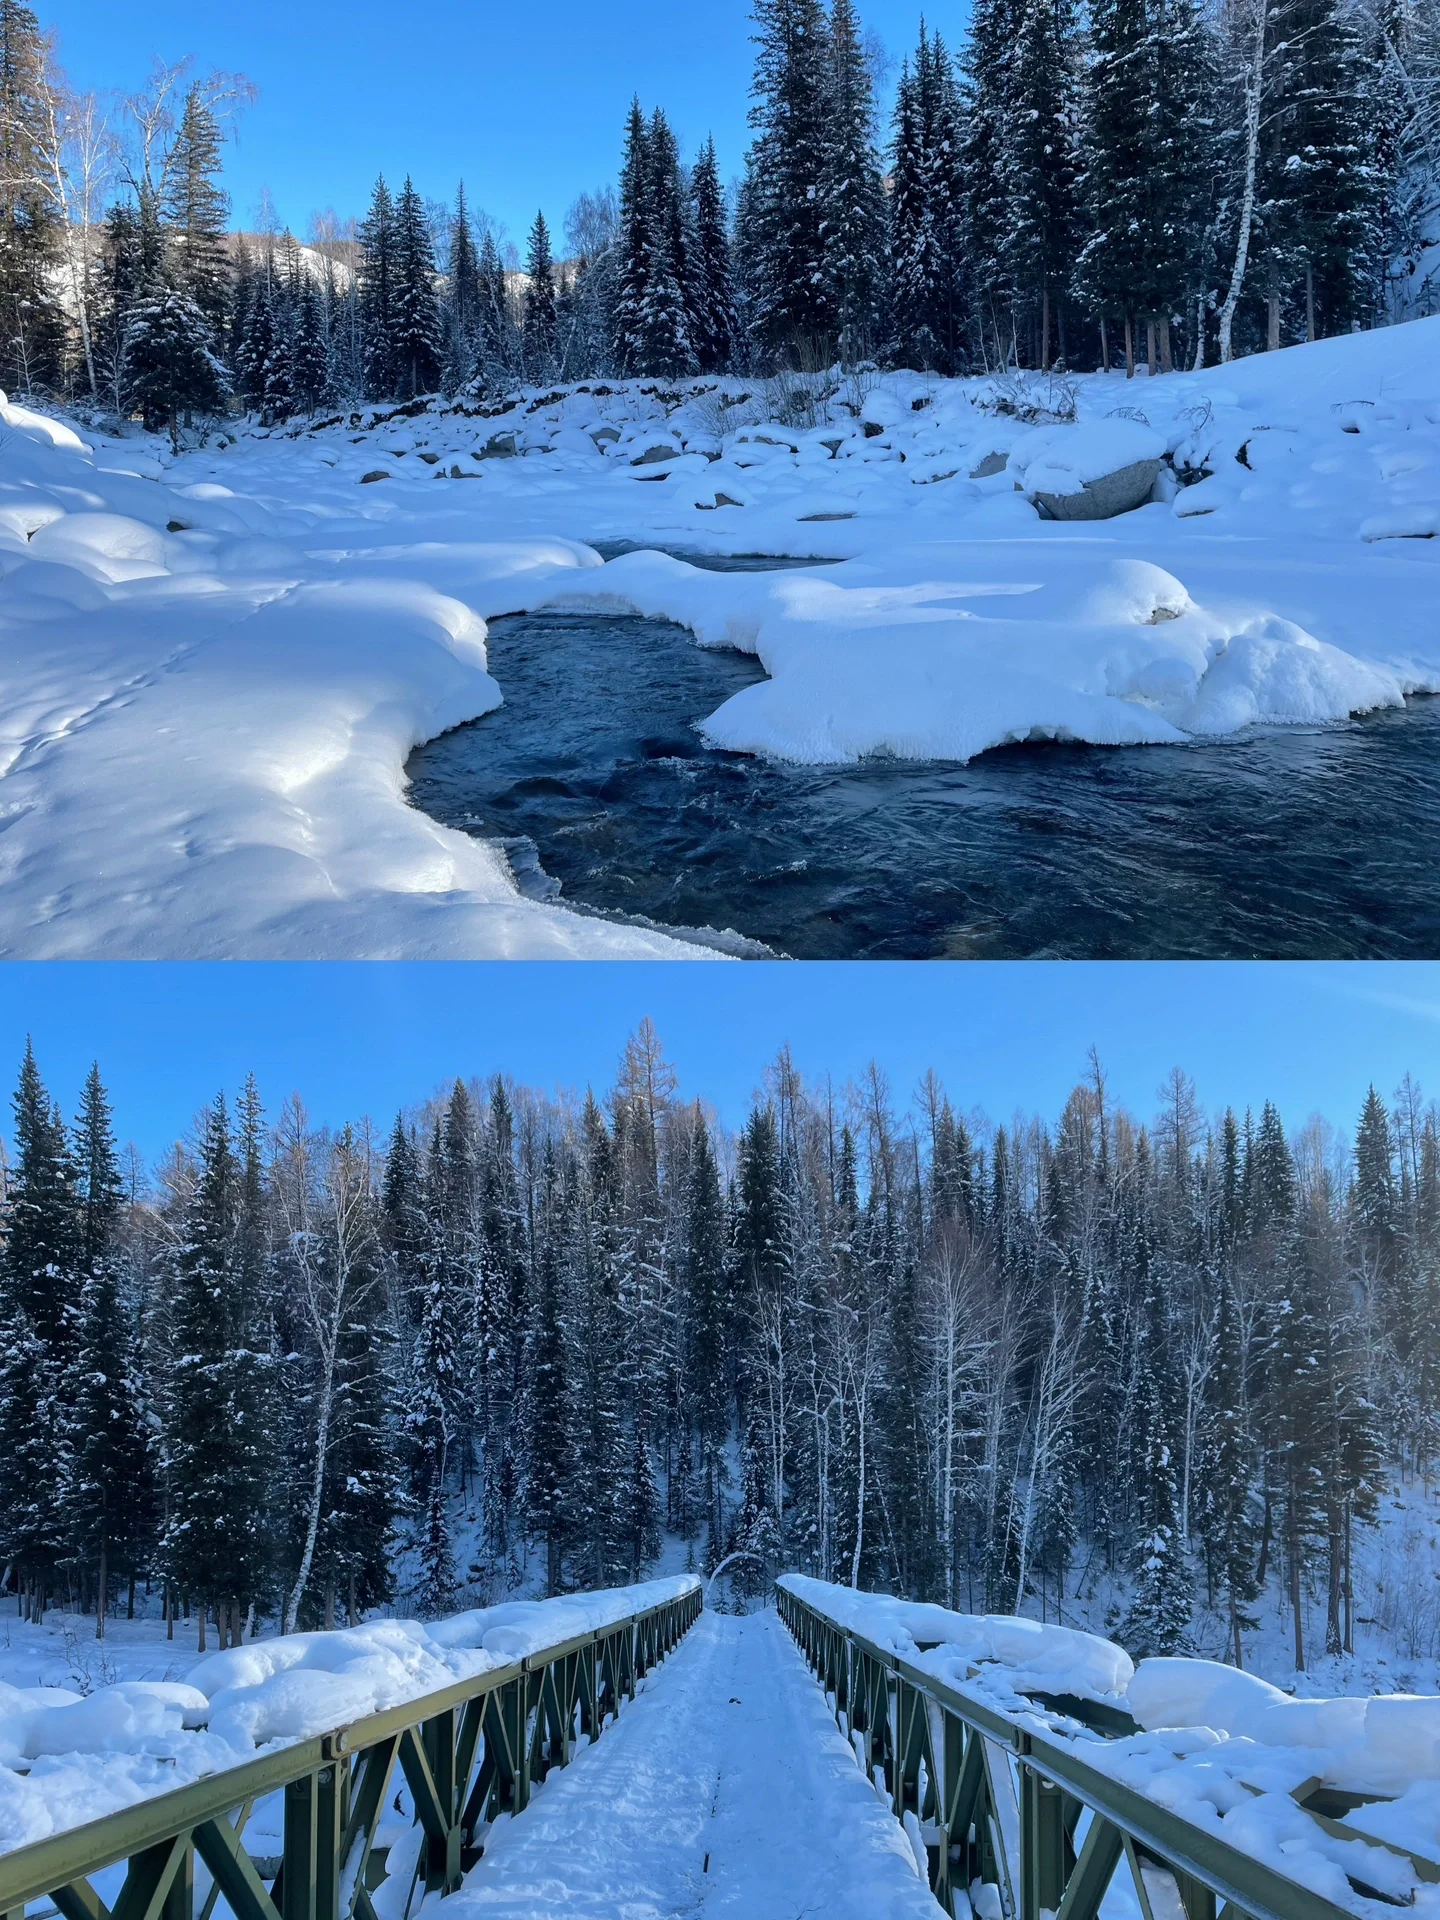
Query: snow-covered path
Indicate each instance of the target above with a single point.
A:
(725, 1790)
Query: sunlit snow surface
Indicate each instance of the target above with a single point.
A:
(215, 668)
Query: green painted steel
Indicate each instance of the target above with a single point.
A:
(999, 1803)
(466, 1754)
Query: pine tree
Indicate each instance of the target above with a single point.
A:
(1231, 1532)
(109, 1501)
(852, 196)
(210, 1549)
(32, 326)
(196, 213)
(495, 347)
(379, 293)
(416, 336)
(989, 72)
(42, 1331)
(713, 323)
(632, 278)
(541, 338)
(463, 308)
(926, 219)
(663, 343)
(173, 371)
(1042, 165)
(703, 1285)
(780, 240)
(550, 1464)
(1160, 1608)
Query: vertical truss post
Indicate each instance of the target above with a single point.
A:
(298, 1859)
(332, 1798)
(1043, 1845)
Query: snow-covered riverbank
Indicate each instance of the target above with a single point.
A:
(214, 668)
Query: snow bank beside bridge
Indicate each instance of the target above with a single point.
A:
(65, 1758)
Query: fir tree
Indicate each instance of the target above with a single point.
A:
(416, 337)
(926, 220)
(551, 1451)
(32, 327)
(110, 1497)
(852, 196)
(781, 242)
(379, 293)
(540, 331)
(713, 324)
(1042, 165)
(463, 308)
(632, 278)
(196, 212)
(663, 345)
(173, 371)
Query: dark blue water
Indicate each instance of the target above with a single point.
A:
(1289, 843)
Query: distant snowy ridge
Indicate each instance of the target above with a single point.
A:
(65, 1759)
(214, 668)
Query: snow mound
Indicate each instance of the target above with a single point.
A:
(1049, 1659)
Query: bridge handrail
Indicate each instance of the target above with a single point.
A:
(467, 1753)
(947, 1759)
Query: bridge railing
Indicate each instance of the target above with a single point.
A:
(466, 1753)
(1003, 1804)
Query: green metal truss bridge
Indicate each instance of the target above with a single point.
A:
(1011, 1823)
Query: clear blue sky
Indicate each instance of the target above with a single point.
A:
(527, 103)
(373, 1038)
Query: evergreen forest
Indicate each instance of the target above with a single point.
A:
(1075, 184)
(291, 1375)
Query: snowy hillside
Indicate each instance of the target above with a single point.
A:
(217, 664)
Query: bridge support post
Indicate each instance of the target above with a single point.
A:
(1043, 1845)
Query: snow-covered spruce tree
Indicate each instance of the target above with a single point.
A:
(988, 67)
(852, 195)
(1043, 228)
(704, 1304)
(109, 1501)
(664, 347)
(927, 215)
(540, 336)
(1229, 1506)
(379, 268)
(632, 273)
(1317, 184)
(214, 1547)
(1147, 148)
(779, 243)
(462, 305)
(173, 370)
(309, 357)
(550, 1461)
(594, 1340)
(32, 321)
(497, 348)
(256, 348)
(714, 324)
(41, 1329)
(416, 335)
(506, 1302)
(1160, 1609)
(196, 212)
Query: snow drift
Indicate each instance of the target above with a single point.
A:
(214, 667)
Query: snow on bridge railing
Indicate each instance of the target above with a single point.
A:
(474, 1711)
(1028, 1762)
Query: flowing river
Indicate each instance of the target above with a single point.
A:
(1282, 843)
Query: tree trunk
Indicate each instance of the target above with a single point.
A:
(1199, 360)
(1150, 363)
(1167, 365)
(1104, 346)
(1272, 324)
(1309, 300)
(1254, 84)
(1129, 348)
(130, 1600)
(1045, 331)
(200, 1647)
(102, 1587)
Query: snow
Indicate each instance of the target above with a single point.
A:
(67, 1757)
(1222, 1748)
(214, 667)
(952, 1645)
(726, 1786)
